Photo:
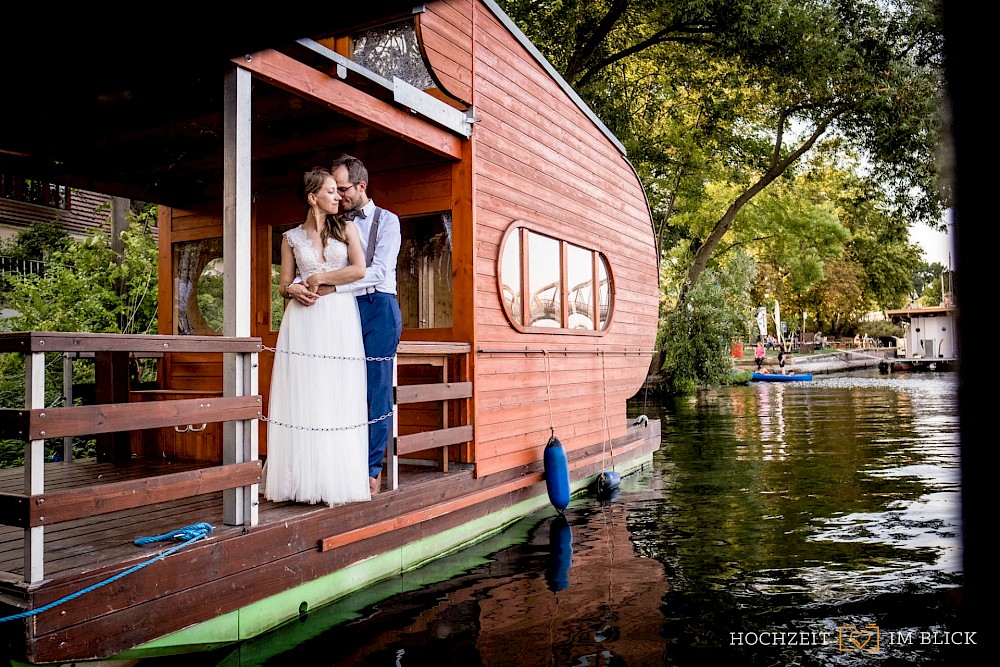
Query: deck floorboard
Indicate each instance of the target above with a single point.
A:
(83, 545)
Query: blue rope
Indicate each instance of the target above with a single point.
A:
(189, 534)
(195, 530)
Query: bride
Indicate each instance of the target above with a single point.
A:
(317, 431)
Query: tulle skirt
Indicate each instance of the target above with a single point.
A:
(317, 433)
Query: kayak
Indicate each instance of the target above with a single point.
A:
(779, 377)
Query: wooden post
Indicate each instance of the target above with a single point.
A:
(68, 396)
(391, 459)
(34, 466)
(239, 370)
(111, 375)
(119, 223)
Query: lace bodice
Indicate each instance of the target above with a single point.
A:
(306, 261)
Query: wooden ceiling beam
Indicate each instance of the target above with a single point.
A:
(288, 74)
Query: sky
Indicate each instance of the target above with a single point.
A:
(938, 246)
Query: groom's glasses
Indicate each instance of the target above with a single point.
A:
(342, 190)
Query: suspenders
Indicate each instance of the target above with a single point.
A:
(372, 237)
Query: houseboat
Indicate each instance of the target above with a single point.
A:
(528, 285)
(930, 334)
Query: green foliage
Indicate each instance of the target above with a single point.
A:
(697, 337)
(210, 302)
(739, 377)
(878, 328)
(277, 301)
(37, 241)
(84, 289)
(927, 284)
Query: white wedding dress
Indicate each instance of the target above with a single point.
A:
(317, 433)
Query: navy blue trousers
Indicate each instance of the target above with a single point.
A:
(381, 327)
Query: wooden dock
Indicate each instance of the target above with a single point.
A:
(919, 364)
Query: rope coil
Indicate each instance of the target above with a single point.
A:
(189, 534)
(192, 532)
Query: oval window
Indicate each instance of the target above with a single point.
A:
(547, 283)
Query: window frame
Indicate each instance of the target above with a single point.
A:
(597, 257)
(50, 195)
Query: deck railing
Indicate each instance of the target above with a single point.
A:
(436, 354)
(115, 416)
(113, 419)
(21, 266)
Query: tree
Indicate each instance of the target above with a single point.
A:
(781, 76)
(931, 289)
(927, 284)
(697, 337)
(36, 242)
(79, 291)
(848, 277)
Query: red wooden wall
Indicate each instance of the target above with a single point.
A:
(537, 157)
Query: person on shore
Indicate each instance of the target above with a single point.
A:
(317, 449)
(758, 354)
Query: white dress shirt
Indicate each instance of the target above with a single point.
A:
(382, 273)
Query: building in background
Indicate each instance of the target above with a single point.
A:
(24, 202)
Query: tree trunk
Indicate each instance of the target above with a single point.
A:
(778, 167)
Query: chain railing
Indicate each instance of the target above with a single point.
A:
(265, 418)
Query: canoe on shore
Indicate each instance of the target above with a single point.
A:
(781, 377)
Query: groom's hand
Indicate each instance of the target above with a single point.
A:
(323, 290)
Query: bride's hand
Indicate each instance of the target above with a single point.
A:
(302, 293)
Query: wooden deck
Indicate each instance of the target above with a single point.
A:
(236, 566)
(81, 547)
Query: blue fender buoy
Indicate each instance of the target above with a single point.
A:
(607, 482)
(556, 474)
(560, 554)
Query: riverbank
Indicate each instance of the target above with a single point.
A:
(823, 362)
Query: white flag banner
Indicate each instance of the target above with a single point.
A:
(777, 320)
(762, 321)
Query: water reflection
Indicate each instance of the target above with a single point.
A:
(826, 511)
(810, 507)
(551, 590)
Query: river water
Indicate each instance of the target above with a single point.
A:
(796, 523)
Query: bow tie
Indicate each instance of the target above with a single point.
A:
(350, 215)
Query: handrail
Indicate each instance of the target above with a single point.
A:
(36, 422)
(435, 353)
(34, 509)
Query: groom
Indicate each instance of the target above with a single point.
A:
(381, 323)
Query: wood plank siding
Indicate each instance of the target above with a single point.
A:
(445, 33)
(539, 158)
